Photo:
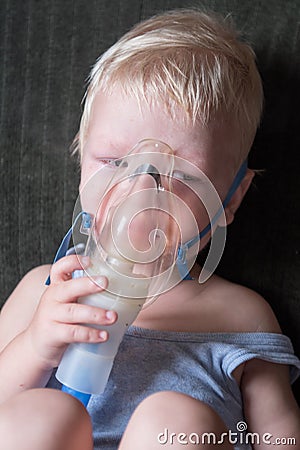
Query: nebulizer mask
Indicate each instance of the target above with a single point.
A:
(144, 237)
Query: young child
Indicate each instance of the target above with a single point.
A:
(203, 358)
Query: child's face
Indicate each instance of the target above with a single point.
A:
(118, 122)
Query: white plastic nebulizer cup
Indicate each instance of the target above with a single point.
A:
(86, 367)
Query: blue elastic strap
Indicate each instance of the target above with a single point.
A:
(182, 251)
(62, 249)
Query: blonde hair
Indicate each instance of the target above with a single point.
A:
(187, 59)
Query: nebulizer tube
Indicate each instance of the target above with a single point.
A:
(133, 241)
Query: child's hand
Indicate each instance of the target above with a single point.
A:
(58, 319)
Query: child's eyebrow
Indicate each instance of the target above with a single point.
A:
(107, 141)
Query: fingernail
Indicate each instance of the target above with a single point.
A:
(101, 282)
(85, 261)
(103, 335)
(110, 315)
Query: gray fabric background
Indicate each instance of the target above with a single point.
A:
(46, 50)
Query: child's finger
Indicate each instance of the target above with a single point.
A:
(80, 333)
(62, 270)
(73, 313)
(72, 289)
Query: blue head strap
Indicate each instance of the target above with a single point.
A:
(182, 251)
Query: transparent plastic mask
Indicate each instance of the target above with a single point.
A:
(134, 237)
(138, 207)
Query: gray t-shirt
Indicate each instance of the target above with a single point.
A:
(197, 364)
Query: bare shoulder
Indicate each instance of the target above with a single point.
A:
(215, 306)
(265, 385)
(244, 309)
(20, 306)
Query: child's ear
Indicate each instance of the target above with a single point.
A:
(238, 196)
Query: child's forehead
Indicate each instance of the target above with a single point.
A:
(119, 108)
(120, 121)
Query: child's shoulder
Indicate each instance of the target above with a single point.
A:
(216, 306)
(242, 309)
(18, 309)
(30, 288)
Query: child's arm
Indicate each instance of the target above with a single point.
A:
(34, 333)
(269, 405)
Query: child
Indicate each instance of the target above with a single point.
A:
(203, 358)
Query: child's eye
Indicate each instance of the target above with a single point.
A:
(112, 163)
(179, 175)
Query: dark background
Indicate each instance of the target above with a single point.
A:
(47, 48)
